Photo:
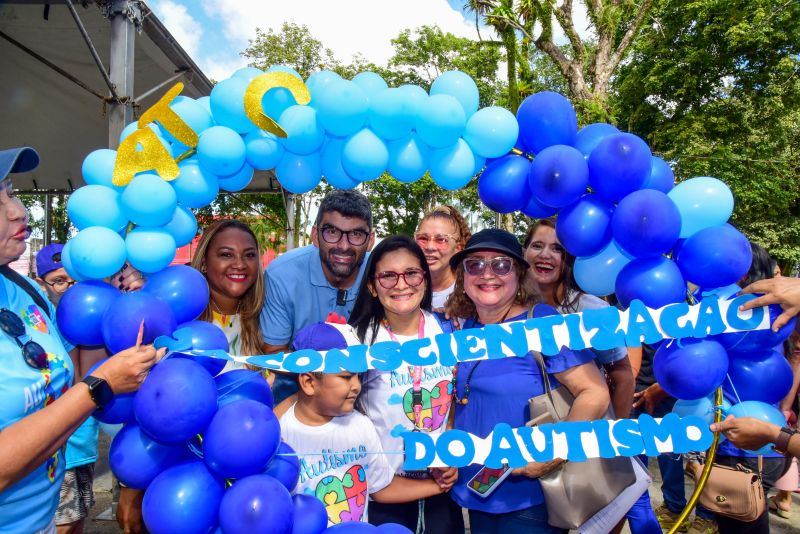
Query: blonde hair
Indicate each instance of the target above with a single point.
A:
(451, 214)
(460, 305)
(250, 303)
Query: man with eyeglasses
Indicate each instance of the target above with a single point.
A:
(308, 284)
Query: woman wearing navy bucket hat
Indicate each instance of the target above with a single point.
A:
(492, 287)
(39, 406)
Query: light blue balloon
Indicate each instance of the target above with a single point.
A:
(661, 176)
(66, 261)
(414, 99)
(182, 227)
(150, 249)
(96, 205)
(237, 181)
(149, 200)
(133, 126)
(342, 108)
(284, 68)
(97, 252)
(441, 121)
(331, 161)
(194, 114)
(299, 174)
(195, 186)
(221, 150)
(247, 73)
(371, 83)
(276, 101)
(205, 101)
(597, 275)
(460, 86)
(491, 132)
(390, 114)
(98, 167)
(364, 156)
(703, 202)
(480, 163)
(408, 159)
(590, 136)
(318, 82)
(262, 150)
(762, 411)
(227, 105)
(304, 134)
(453, 167)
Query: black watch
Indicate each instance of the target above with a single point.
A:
(99, 390)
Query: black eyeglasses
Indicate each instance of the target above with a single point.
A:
(389, 279)
(60, 284)
(333, 235)
(33, 353)
(501, 265)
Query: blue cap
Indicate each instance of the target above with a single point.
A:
(21, 159)
(49, 259)
(319, 336)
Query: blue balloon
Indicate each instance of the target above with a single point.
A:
(408, 159)
(590, 136)
(204, 336)
(453, 167)
(241, 384)
(80, 311)
(185, 498)
(503, 185)
(310, 515)
(176, 401)
(286, 69)
(342, 108)
(715, 257)
(182, 227)
(704, 202)
(597, 274)
(136, 459)
(764, 376)
(762, 411)
(97, 252)
(351, 527)
(655, 281)
(389, 115)
(331, 162)
(247, 73)
(96, 205)
(646, 223)
(227, 105)
(691, 368)
(241, 439)
(237, 181)
(558, 176)
(221, 151)
(122, 319)
(66, 261)
(460, 86)
(119, 409)
(205, 101)
(149, 200)
(133, 126)
(393, 528)
(414, 99)
(98, 167)
(256, 504)
(584, 227)
(318, 82)
(536, 210)
(284, 466)
(182, 288)
(702, 408)
(195, 186)
(276, 101)
(262, 150)
(661, 176)
(194, 114)
(372, 84)
(150, 249)
(619, 165)
(364, 156)
(441, 121)
(491, 132)
(546, 119)
(753, 341)
(304, 134)
(299, 174)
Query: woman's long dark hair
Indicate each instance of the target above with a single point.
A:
(368, 310)
(567, 293)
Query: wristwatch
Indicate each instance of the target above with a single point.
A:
(99, 390)
(782, 443)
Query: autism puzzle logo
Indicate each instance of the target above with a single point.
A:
(435, 404)
(33, 318)
(345, 498)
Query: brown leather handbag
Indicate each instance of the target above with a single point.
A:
(734, 492)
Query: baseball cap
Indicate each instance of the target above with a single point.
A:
(22, 159)
(319, 336)
(49, 259)
(491, 239)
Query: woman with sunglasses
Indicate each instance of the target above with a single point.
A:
(38, 408)
(492, 287)
(393, 304)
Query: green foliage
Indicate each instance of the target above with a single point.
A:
(293, 46)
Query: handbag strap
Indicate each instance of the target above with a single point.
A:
(548, 388)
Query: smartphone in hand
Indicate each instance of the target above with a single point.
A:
(487, 480)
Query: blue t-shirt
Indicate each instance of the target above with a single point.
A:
(499, 393)
(29, 505)
(584, 301)
(82, 444)
(297, 294)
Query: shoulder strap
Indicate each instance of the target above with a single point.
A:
(548, 388)
(445, 324)
(25, 285)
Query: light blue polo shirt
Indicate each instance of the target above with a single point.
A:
(297, 294)
(29, 505)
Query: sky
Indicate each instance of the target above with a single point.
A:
(214, 32)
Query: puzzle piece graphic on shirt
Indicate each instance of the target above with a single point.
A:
(344, 498)
(33, 318)
(435, 404)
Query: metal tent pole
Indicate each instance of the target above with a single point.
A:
(126, 18)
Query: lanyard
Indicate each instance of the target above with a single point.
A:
(415, 372)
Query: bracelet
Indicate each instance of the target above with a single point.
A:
(782, 442)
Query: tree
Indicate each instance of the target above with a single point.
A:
(293, 46)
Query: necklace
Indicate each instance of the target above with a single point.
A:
(415, 372)
(463, 401)
(216, 307)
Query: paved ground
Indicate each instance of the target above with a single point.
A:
(103, 496)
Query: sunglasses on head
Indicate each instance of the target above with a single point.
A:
(500, 266)
(33, 353)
